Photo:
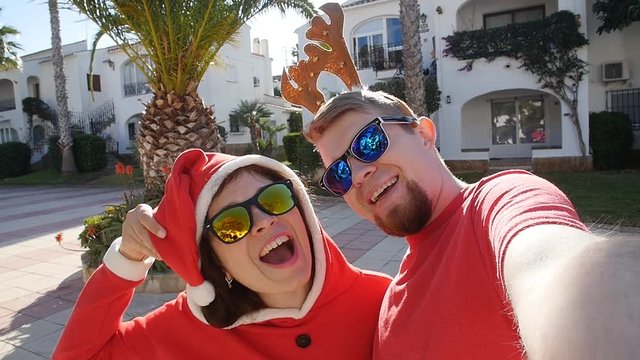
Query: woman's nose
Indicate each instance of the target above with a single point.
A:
(261, 220)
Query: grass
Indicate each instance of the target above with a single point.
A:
(601, 197)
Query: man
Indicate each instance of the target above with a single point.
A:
(495, 270)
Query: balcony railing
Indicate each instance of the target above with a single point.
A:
(6, 105)
(379, 57)
(138, 88)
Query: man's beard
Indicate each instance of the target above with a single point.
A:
(408, 217)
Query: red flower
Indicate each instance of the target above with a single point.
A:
(91, 231)
(166, 169)
(128, 170)
(59, 237)
(120, 168)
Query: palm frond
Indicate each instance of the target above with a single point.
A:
(174, 42)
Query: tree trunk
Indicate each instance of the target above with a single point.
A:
(412, 56)
(170, 125)
(253, 129)
(57, 59)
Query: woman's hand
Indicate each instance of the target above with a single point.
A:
(136, 244)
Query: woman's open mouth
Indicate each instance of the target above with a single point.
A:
(278, 251)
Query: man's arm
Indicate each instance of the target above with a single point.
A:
(575, 295)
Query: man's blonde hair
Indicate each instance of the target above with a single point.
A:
(360, 101)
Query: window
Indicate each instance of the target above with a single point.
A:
(520, 121)
(234, 124)
(96, 82)
(36, 90)
(377, 44)
(133, 126)
(8, 135)
(513, 17)
(626, 101)
(135, 83)
(256, 81)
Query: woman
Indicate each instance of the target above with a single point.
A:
(263, 279)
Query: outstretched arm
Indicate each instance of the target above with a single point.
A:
(575, 295)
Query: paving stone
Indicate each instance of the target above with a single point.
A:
(30, 332)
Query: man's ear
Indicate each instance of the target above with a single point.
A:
(427, 129)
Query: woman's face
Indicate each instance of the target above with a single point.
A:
(257, 261)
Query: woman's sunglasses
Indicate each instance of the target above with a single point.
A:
(234, 222)
(369, 144)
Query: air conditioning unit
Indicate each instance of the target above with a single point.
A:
(615, 71)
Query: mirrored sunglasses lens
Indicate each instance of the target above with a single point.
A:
(232, 224)
(370, 144)
(276, 199)
(338, 178)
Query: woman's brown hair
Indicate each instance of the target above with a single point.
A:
(232, 303)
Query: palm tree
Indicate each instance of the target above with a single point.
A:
(412, 56)
(173, 43)
(248, 113)
(60, 80)
(8, 49)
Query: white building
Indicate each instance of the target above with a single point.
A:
(480, 117)
(241, 72)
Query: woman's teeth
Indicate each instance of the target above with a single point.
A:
(274, 244)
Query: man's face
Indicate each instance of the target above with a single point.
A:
(396, 191)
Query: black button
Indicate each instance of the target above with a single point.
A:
(303, 340)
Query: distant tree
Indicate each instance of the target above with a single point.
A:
(412, 55)
(266, 146)
(248, 113)
(32, 106)
(62, 99)
(8, 49)
(616, 14)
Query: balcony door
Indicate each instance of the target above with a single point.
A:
(516, 124)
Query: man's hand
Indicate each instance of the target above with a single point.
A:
(136, 243)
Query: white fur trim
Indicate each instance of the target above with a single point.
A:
(125, 268)
(202, 294)
(202, 206)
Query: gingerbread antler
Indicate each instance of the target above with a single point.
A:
(331, 55)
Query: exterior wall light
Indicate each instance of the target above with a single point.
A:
(439, 9)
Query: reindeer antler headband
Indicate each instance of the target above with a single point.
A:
(329, 54)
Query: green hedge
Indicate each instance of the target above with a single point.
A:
(15, 159)
(611, 139)
(301, 153)
(290, 142)
(89, 152)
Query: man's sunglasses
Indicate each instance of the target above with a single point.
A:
(369, 144)
(235, 221)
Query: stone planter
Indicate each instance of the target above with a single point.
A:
(155, 283)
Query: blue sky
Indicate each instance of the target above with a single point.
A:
(31, 18)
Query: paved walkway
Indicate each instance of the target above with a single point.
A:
(40, 281)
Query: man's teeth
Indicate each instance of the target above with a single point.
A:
(274, 244)
(374, 197)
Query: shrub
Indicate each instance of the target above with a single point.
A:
(395, 87)
(54, 155)
(89, 152)
(15, 159)
(301, 153)
(611, 139)
(295, 122)
(290, 142)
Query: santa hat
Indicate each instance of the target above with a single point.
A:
(194, 180)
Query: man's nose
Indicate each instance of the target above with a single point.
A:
(360, 171)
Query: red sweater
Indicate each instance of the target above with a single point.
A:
(340, 323)
(448, 300)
